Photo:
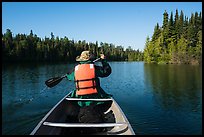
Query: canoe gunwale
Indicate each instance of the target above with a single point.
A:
(128, 123)
(47, 115)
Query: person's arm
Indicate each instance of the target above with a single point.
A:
(70, 76)
(105, 69)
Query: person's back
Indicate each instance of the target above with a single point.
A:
(86, 76)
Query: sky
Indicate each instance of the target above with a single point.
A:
(120, 23)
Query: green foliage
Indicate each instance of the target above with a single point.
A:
(178, 41)
(32, 48)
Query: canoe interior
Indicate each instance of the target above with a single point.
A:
(66, 112)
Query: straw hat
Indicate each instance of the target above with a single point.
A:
(85, 55)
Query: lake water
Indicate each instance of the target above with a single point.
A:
(157, 99)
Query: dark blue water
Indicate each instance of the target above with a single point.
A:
(157, 99)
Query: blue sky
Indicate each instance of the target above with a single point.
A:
(120, 23)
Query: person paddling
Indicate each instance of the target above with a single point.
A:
(86, 77)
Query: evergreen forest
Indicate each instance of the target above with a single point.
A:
(26, 48)
(177, 41)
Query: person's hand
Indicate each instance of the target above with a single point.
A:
(102, 56)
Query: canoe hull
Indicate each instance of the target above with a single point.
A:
(65, 111)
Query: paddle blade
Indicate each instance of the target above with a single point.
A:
(53, 81)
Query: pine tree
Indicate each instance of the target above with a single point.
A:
(165, 29)
(191, 33)
(172, 33)
(181, 24)
(176, 25)
(156, 33)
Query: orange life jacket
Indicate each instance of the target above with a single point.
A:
(85, 79)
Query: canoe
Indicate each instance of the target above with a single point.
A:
(61, 119)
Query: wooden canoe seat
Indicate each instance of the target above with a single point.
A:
(93, 99)
(83, 124)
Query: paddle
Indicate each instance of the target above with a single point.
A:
(54, 81)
